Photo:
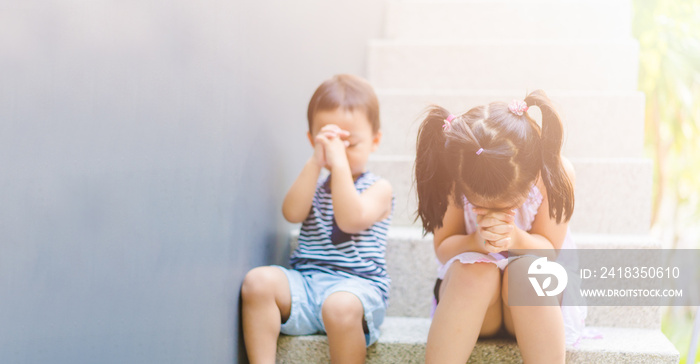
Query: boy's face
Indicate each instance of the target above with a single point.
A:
(362, 140)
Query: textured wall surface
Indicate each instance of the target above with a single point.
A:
(145, 149)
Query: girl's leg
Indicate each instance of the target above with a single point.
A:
(539, 329)
(469, 306)
(343, 316)
(267, 302)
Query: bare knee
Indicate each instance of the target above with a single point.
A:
(342, 311)
(477, 275)
(481, 278)
(261, 283)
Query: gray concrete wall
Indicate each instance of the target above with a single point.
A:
(145, 149)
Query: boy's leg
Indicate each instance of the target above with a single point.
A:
(351, 311)
(343, 317)
(267, 303)
(538, 329)
(469, 306)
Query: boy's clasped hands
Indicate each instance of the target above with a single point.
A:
(329, 146)
(495, 228)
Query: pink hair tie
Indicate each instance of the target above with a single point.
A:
(517, 107)
(478, 152)
(448, 122)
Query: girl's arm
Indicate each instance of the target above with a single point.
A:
(545, 232)
(297, 202)
(451, 239)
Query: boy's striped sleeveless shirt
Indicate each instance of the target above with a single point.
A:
(324, 247)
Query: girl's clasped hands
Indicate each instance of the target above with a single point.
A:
(495, 228)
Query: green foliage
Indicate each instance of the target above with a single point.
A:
(669, 75)
(677, 325)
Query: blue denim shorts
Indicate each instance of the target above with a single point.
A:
(310, 290)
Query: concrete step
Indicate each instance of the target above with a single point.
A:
(412, 266)
(508, 19)
(403, 341)
(520, 65)
(612, 195)
(596, 124)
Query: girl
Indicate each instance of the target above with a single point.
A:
(488, 181)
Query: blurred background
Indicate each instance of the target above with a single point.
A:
(669, 75)
(146, 147)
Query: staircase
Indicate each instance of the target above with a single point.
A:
(463, 53)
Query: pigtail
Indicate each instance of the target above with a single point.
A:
(560, 191)
(433, 181)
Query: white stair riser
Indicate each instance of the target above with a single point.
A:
(611, 196)
(595, 125)
(504, 65)
(643, 317)
(412, 266)
(508, 19)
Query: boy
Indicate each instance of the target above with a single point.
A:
(338, 283)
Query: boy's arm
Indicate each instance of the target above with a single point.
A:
(355, 212)
(297, 202)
